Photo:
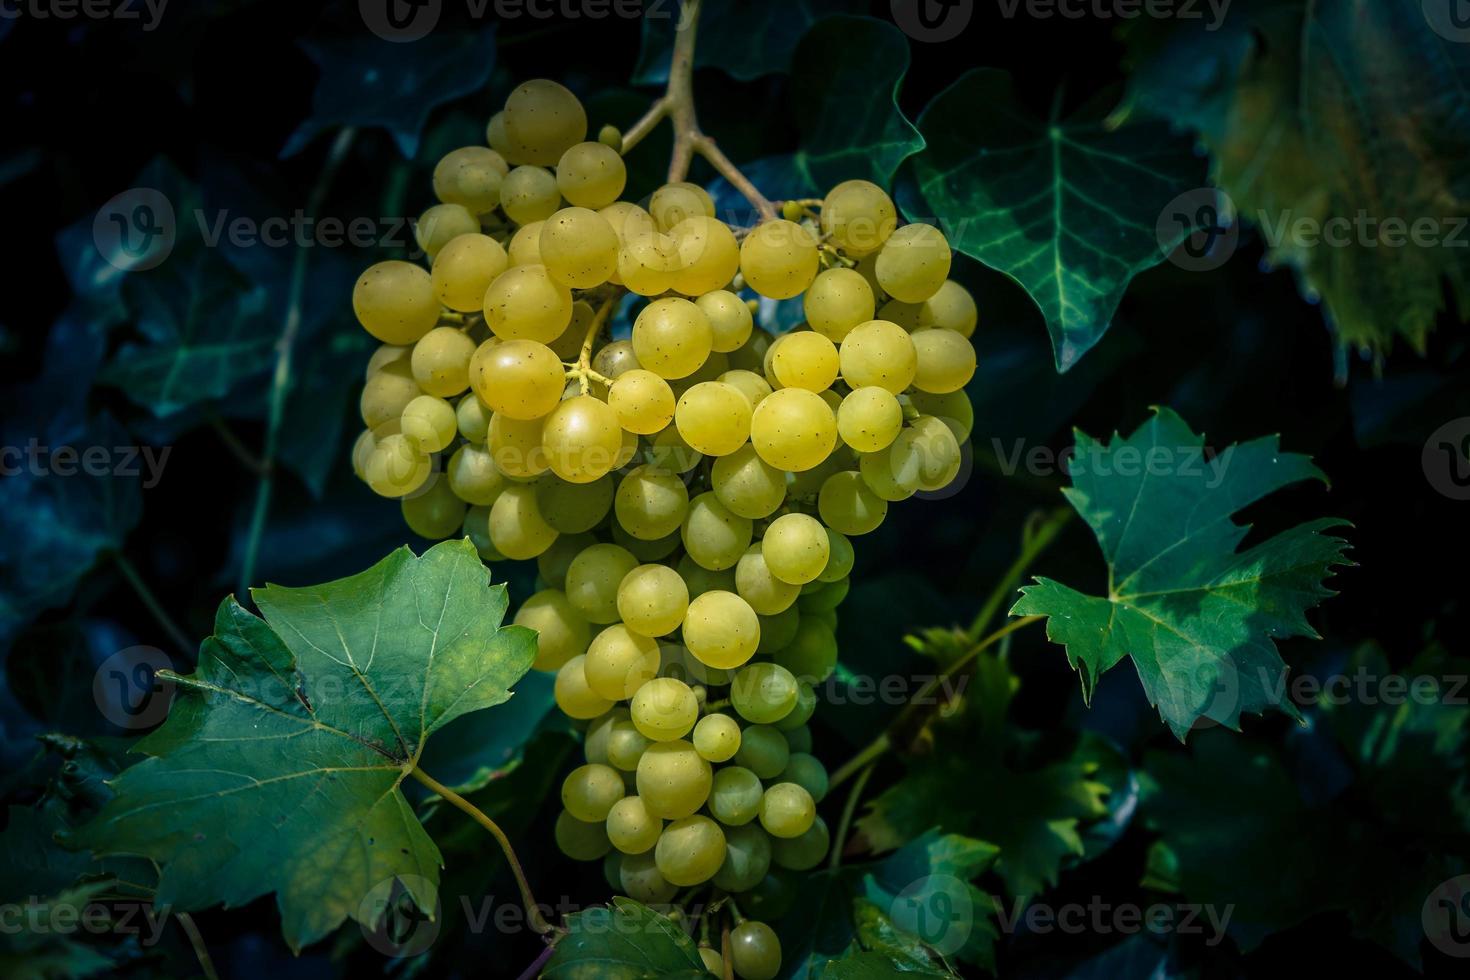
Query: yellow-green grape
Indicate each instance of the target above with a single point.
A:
(616, 359)
(779, 630)
(805, 360)
(434, 512)
(672, 337)
(665, 708)
(914, 263)
(573, 696)
(626, 744)
(754, 583)
(394, 465)
(838, 300)
(869, 419)
(647, 262)
(747, 858)
(396, 302)
(673, 779)
(747, 485)
(470, 176)
(806, 771)
(951, 308)
(652, 600)
(497, 140)
(619, 662)
(655, 550)
(713, 366)
(517, 528)
(384, 356)
(668, 450)
(477, 529)
(525, 245)
(763, 693)
(579, 839)
(515, 446)
(927, 454)
(806, 484)
(803, 852)
(631, 828)
(552, 564)
(386, 394)
(589, 791)
(717, 737)
(464, 269)
(953, 409)
(651, 502)
(593, 579)
(735, 796)
(679, 663)
(578, 247)
(721, 629)
(529, 194)
(754, 387)
(945, 361)
(779, 259)
(519, 379)
(690, 851)
(712, 960)
(859, 216)
(847, 504)
(582, 439)
(574, 508)
(610, 136)
(562, 632)
(787, 810)
(642, 400)
(713, 536)
(729, 317)
(840, 557)
(799, 739)
(878, 353)
(793, 429)
(473, 418)
(763, 751)
(430, 422)
(673, 203)
(642, 882)
(751, 355)
(796, 548)
(628, 220)
(888, 474)
(441, 361)
(806, 706)
(362, 451)
(525, 303)
(591, 175)
(906, 315)
(599, 729)
(543, 120)
(811, 656)
(714, 418)
(709, 256)
(441, 224)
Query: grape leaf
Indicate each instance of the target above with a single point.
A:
(623, 941)
(1067, 208)
(280, 766)
(877, 966)
(887, 945)
(1196, 616)
(47, 953)
(745, 40)
(1331, 111)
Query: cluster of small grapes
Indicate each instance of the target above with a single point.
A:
(690, 492)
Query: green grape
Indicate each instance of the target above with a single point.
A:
(804, 851)
(579, 248)
(517, 528)
(470, 176)
(951, 308)
(477, 529)
(793, 429)
(630, 827)
(397, 467)
(828, 619)
(645, 551)
(647, 262)
(701, 580)
(847, 504)
(362, 449)
(573, 696)
(953, 409)
(806, 706)
(626, 745)
(574, 508)
(396, 302)
(914, 263)
(673, 203)
(805, 360)
(669, 451)
(807, 772)
(429, 422)
(926, 454)
(561, 632)
(473, 418)
(714, 418)
(708, 254)
(779, 630)
(464, 269)
(712, 960)
(754, 387)
(673, 780)
(652, 600)
(796, 548)
(811, 656)
(859, 217)
(713, 366)
(642, 400)
(747, 485)
(729, 318)
(672, 337)
(878, 353)
(754, 583)
(529, 194)
(869, 419)
(945, 361)
(589, 791)
(840, 557)
(580, 840)
(525, 245)
(787, 810)
(552, 564)
(642, 881)
(617, 359)
(721, 630)
(906, 315)
(763, 750)
(763, 693)
(827, 598)
(591, 175)
(773, 896)
(690, 850)
(582, 439)
(779, 259)
(619, 662)
(612, 869)
(755, 951)
(434, 512)
(520, 379)
(838, 300)
(682, 665)
(651, 502)
(747, 858)
(717, 737)
(713, 536)
(543, 120)
(441, 224)
(525, 303)
(593, 579)
(385, 355)
(515, 445)
(664, 708)
(735, 796)
(886, 474)
(799, 738)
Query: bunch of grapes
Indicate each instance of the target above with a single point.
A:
(690, 492)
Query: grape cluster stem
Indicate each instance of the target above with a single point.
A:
(582, 370)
